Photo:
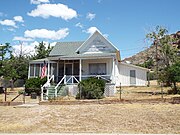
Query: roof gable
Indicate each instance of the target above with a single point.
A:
(97, 43)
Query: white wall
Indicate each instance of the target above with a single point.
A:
(123, 75)
(85, 65)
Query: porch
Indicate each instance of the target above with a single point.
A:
(74, 70)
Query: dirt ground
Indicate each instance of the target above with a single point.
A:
(113, 118)
(124, 117)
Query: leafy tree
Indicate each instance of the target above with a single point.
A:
(167, 54)
(15, 68)
(5, 53)
(42, 51)
(167, 60)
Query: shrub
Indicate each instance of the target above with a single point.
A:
(34, 85)
(91, 88)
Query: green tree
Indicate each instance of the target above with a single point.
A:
(166, 53)
(42, 51)
(167, 60)
(15, 68)
(5, 53)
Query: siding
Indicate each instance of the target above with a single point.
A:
(85, 65)
(123, 76)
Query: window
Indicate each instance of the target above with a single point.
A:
(97, 68)
(31, 69)
(37, 71)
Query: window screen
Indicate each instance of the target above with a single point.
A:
(97, 68)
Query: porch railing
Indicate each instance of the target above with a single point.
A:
(46, 85)
(66, 79)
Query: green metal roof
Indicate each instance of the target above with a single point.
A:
(65, 48)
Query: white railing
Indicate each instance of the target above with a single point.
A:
(70, 78)
(104, 77)
(46, 85)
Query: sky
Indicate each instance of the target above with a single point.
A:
(124, 23)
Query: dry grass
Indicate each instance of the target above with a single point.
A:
(114, 118)
(126, 117)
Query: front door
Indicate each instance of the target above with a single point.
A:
(69, 72)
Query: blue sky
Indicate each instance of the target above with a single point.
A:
(124, 22)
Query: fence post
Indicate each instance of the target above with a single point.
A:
(120, 91)
(80, 91)
(24, 94)
(5, 92)
(161, 90)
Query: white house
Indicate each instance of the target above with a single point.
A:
(71, 62)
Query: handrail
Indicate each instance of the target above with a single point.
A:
(47, 84)
(60, 82)
(58, 85)
(99, 76)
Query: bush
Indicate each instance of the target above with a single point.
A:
(91, 88)
(174, 91)
(34, 85)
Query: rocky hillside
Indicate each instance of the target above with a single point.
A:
(149, 53)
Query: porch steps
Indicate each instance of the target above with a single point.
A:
(61, 91)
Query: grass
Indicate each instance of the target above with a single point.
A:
(124, 117)
(112, 118)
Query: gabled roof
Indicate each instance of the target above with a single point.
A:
(65, 48)
(97, 32)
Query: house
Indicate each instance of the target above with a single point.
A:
(71, 62)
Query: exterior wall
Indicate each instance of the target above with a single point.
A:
(123, 75)
(85, 65)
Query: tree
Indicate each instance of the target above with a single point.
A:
(5, 53)
(166, 55)
(174, 75)
(42, 51)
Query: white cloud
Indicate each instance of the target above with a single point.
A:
(39, 1)
(18, 19)
(11, 29)
(91, 30)
(47, 34)
(90, 16)
(8, 23)
(79, 25)
(27, 49)
(55, 10)
(22, 39)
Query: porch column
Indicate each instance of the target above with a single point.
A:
(80, 68)
(29, 71)
(48, 70)
(113, 71)
(57, 78)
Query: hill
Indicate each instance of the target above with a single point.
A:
(149, 54)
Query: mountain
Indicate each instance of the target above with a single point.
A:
(149, 54)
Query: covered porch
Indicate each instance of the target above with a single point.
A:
(71, 70)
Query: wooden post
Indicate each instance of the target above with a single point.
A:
(24, 94)
(120, 92)
(80, 91)
(5, 92)
(161, 90)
